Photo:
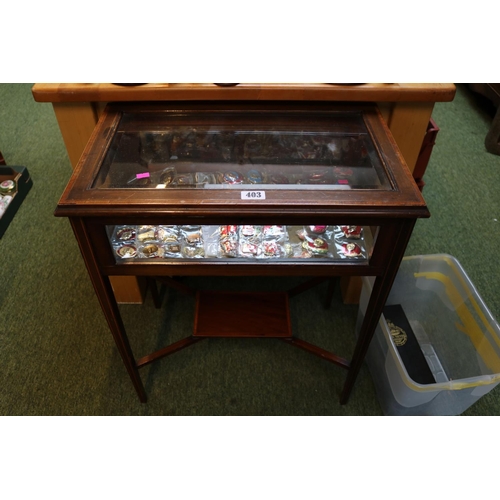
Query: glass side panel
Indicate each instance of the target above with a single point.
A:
(250, 242)
(242, 151)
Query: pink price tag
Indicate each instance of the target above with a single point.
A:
(142, 176)
(343, 181)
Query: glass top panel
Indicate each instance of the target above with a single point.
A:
(242, 151)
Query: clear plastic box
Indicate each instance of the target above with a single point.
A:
(458, 335)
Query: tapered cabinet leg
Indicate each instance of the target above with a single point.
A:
(392, 241)
(104, 292)
(492, 141)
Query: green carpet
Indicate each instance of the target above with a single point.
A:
(58, 357)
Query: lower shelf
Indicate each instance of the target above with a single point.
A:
(242, 314)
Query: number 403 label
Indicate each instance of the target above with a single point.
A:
(253, 195)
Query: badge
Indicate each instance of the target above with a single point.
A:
(351, 250)
(278, 179)
(317, 246)
(254, 177)
(351, 232)
(317, 229)
(149, 250)
(232, 177)
(126, 251)
(126, 234)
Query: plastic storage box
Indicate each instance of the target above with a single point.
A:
(456, 332)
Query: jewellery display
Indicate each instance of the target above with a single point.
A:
(247, 241)
(15, 183)
(269, 175)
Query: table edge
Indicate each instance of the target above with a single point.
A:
(372, 92)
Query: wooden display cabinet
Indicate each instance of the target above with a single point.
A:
(231, 189)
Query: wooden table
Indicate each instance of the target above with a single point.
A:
(406, 108)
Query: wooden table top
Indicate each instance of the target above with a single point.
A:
(370, 92)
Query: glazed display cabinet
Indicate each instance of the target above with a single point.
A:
(241, 189)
